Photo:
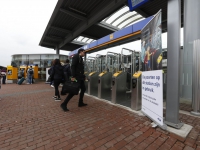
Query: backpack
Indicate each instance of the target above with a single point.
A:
(67, 70)
(30, 71)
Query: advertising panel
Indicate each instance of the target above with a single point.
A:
(152, 75)
(151, 44)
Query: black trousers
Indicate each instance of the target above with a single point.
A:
(4, 80)
(69, 96)
(56, 84)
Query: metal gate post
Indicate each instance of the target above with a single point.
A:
(196, 78)
(173, 54)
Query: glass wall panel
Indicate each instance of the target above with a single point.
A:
(16, 60)
(34, 59)
(46, 59)
(42, 60)
(25, 60)
(63, 58)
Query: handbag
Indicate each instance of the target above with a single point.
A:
(71, 87)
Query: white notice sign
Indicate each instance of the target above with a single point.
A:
(152, 95)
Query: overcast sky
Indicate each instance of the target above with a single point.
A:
(22, 24)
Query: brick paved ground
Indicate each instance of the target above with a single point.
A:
(31, 119)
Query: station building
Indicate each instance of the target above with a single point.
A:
(43, 61)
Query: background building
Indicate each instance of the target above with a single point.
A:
(42, 60)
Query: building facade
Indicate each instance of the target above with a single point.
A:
(42, 60)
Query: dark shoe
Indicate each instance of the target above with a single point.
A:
(82, 104)
(64, 108)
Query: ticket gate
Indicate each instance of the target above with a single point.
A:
(93, 76)
(104, 85)
(136, 91)
(105, 77)
(93, 83)
(119, 89)
(122, 81)
(89, 67)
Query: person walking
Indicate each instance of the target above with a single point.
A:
(67, 73)
(49, 72)
(0, 80)
(30, 74)
(57, 75)
(20, 74)
(3, 73)
(77, 69)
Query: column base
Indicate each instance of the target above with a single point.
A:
(177, 126)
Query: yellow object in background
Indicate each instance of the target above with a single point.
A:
(117, 73)
(137, 74)
(12, 73)
(159, 59)
(92, 73)
(101, 74)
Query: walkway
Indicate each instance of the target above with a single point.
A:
(31, 119)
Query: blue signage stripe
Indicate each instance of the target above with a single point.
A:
(133, 4)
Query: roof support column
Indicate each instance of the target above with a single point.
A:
(57, 51)
(173, 63)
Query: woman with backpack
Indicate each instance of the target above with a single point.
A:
(67, 73)
(57, 75)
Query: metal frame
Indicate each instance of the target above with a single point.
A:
(133, 64)
(117, 69)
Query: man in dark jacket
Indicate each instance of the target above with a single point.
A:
(77, 69)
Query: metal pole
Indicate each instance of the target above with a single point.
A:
(139, 63)
(196, 79)
(173, 54)
(57, 51)
(114, 55)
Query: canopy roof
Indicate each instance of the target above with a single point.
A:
(75, 23)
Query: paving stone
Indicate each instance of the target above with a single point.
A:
(31, 119)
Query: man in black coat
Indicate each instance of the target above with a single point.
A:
(77, 69)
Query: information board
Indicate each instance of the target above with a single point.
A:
(152, 95)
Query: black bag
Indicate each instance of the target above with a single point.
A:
(71, 87)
